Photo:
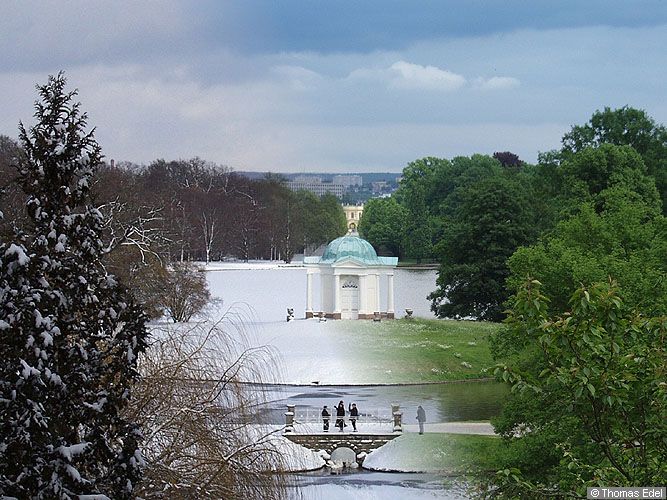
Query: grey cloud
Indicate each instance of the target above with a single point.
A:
(307, 110)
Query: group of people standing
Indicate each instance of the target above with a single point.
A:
(354, 415)
(340, 416)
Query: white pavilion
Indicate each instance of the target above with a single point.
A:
(350, 280)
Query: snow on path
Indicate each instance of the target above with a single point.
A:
(473, 428)
(477, 428)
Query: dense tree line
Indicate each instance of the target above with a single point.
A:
(205, 212)
(182, 211)
(193, 210)
(591, 209)
(572, 253)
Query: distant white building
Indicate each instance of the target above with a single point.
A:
(318, 188)
(307, 178)
(348, 180)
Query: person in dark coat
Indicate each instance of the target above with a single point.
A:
(340, 414)
(354, 414)
(421, 418)
(325, 418)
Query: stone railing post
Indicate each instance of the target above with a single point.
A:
(289, 419)
(398, 417)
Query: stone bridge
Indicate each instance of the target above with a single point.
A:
(360, 444)
(376, 431)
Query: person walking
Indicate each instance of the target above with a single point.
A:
(421, 418)
(340, 416)
(354, 414)
(325, 418)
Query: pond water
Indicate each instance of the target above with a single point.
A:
(452, 402)
(366, 485)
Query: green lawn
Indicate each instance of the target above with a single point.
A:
(419, 350)
(440, 452)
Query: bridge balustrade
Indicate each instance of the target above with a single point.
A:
(309, 420)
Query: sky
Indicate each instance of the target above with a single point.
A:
(333, 86)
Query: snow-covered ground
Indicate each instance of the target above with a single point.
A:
(250, 265)
(251, 302)
(257, 294)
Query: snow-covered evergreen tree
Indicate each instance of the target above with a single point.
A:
(69, 333)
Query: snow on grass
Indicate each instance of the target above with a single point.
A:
(256, 265)
(253, 297)
(435, 452)
(295, 458)
(257, 295)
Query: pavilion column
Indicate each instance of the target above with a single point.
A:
(390, 295)
(309, 294)
(377, 292)
(336, 310)
(362, 295)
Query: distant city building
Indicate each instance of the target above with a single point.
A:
(353, 215)
(379, 186)
(348, 180)
(308, 178)
(319, 188)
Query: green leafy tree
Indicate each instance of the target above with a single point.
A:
(382, 225)
(493, 220)
(622, 237)
(70, 334)
(330, 220)
(592, 170)
(413, 195)
(594, 390)
(625, 126)
(318, 219)
(417, 232)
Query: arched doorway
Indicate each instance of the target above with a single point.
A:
(349, 297)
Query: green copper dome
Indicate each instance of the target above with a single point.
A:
(353, 247)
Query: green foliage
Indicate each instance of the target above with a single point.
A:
(305, 221)
(623, 238)
(625, 126)
(596, 391)
(494, 218)
(331, 219)
(382, 225)
(590, 171)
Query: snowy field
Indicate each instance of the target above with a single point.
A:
(250, 303)
(257, 295)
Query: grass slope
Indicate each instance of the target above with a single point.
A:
(420, 350)
(438, 452)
